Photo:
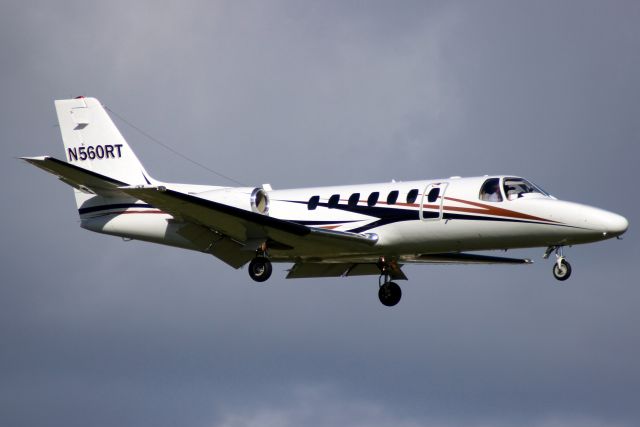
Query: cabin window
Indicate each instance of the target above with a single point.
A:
(373, 198)
(313, 202)
(353, 200)
(433, 195)
(333, 201)
(392, 198)
(412, 195)
(490, 191)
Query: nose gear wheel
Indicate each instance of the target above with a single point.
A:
(561, 268)
(389, 294)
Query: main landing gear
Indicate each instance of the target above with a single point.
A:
(561, 268)
(389, 292)
(260, 269)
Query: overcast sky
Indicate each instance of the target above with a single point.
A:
(98, 332)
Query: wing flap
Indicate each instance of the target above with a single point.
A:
(305, 270)
(309, 270)
(225, 249)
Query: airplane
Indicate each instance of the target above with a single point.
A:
(349, 230)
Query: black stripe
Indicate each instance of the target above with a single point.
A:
(377, 211)
(380, 223)
(312, 223)
(391, 215)
(449, 216)
(145, 178)
(82, 211)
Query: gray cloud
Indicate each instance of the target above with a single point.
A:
(101, 332)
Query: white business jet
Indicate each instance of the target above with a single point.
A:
(369, 229)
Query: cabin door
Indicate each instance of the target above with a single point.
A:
(432, 202)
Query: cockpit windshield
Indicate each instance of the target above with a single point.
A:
(519, 187)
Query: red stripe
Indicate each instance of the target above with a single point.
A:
(493, 210)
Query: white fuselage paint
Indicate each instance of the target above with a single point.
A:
(457, 220)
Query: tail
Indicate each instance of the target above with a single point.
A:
(99, 160)
(93, 142)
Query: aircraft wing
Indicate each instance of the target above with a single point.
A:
(355, 268)
(244, 230)
(302, 270)
(243, 226)
(463, 258)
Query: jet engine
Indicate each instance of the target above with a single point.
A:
(253, 199)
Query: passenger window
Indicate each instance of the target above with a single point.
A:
(433, 195)
(392, 198)
(373, 198)
(333, 201)
(313, 203)
(412, 195)
(490, 191)
(354, 199)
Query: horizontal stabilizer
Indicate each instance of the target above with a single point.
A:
(79, 178)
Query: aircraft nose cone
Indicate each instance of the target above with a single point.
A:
(614, 224)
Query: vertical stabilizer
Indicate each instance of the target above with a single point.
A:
(92, 141)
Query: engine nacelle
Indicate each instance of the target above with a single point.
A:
(247, 198)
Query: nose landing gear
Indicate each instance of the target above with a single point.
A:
(389, 294)
(561, 268)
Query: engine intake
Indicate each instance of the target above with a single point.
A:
(254, 199)
(260, 201)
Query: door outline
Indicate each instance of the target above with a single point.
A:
(439, 201)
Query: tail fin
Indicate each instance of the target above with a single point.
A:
(93, 142)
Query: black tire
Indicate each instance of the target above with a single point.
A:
(563, 272)
(390, 294)
(260, 269)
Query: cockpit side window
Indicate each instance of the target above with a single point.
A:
(518, 187)
(490, 191)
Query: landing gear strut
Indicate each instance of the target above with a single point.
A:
(260, 269)
(561, 268)
(389, 292)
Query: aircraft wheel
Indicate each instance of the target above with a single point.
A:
(390, 294)
(563, 271)
(260, 269)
